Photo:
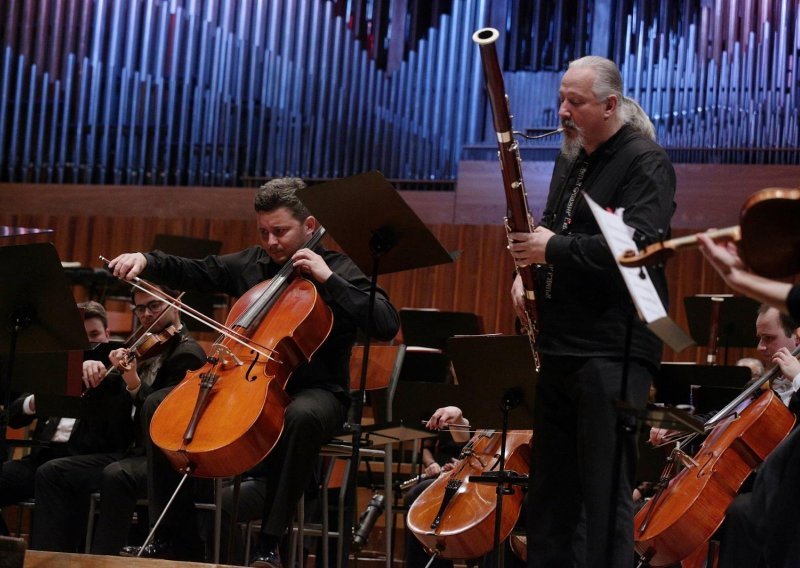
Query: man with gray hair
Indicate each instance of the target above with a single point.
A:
(594, 350)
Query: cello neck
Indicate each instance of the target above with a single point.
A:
(254, 313)
(747, 393)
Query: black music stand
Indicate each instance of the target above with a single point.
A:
(735, 323)
(413, 404)
(674, 381)
(432, 328)
(425, 332)
(381, 234)
(707, 398)
(38, 312)
(497, 374)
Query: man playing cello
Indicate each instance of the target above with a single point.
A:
(318, 389)
(762, 528)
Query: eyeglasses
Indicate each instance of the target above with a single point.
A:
(155, 307)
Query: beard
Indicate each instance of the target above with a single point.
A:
(571, 140)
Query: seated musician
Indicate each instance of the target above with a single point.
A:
(450, 420)
(63, 485)
(762, 528)
(445, 453)
(318, 389)
(60, 436)
(778, 335)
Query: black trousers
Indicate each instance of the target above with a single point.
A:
(16, 484)
(122, 483)
(576, 441)
(17, 480)
(62, 494)
(312, 417)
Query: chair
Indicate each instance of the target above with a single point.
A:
(385, 362)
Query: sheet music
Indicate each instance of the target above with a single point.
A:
(620, 239)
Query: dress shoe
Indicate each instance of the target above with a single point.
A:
(268, 560)
(155, 549)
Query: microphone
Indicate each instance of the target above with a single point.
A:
(367, 520)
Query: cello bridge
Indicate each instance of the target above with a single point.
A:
(224, 354)
(685, 459)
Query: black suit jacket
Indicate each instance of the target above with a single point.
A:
(110, 424)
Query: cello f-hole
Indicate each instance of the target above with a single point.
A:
(250, 376)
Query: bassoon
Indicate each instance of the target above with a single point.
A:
(518, 216)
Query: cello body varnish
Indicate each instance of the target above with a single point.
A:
(224, 418)
(680, 519)
(455, 517)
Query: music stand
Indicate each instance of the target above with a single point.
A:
(413, 403)
(381, 234)
(56, 373)
(735, 323)
(496, 368)
(426, 331)
(432, 328)
(674, 381)
(707, 398)
(38, 312)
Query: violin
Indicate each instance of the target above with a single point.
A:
(142, 344)
(768, 236)
(148, 345)
(454, 517)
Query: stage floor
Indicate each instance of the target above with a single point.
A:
(39, 559)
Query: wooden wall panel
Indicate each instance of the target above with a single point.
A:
(479, 280)
(708, 195)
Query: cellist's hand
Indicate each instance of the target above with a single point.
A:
(790, 366)
(433, 470)
(128, 265)
(658, 435)
(450, 465)
(309, 263)
(444, 416)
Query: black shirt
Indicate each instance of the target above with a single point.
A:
(582, 301)
(346, 292)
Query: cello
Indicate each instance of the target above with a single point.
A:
(454, 517)
(227, 416)
(687, 510)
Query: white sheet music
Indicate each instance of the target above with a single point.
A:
(620, 239)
